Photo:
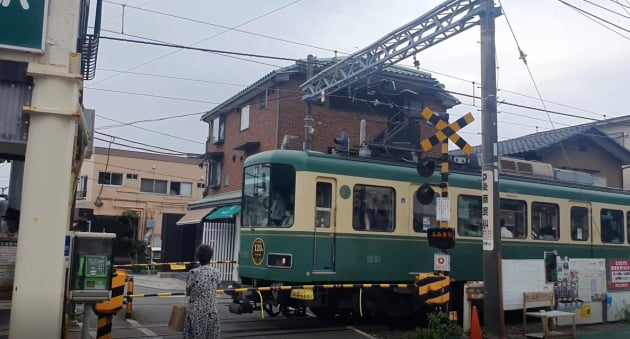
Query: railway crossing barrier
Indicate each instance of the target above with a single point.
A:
(172, 265)
(434, 288)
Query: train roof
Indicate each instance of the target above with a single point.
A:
(406, 172)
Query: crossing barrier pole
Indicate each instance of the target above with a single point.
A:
(129, 306)
(104, 330)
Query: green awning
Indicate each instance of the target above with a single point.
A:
(224, 212)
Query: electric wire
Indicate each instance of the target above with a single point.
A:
(205, 39)
(208, 50)
(143, 144)
(153, 131)
(230, 28)
(153, 95)
(143, 171)
(606, 9)
(593, 17)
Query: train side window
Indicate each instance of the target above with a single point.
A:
(545, 221)
(323, 204)
(579, 223)
(469, 215)
(611, 222)
(424, 215)
(513, 218)
(373, 208)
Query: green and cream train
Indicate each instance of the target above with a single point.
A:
(313, 218)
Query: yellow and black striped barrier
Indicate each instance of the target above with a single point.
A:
(434, 288)
(104, 329)
(173, 265)
(276, 288)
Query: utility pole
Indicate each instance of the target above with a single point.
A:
(308, 119)
(493, 291)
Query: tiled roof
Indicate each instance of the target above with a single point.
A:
(540, 141)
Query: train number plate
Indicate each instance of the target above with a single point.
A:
(302, 294)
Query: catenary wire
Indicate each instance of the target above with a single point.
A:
(206, 39)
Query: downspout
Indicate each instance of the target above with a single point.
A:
(277, 143)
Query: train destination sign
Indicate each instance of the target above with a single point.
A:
(23, 24)
(442, 238)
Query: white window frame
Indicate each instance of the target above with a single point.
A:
(244, 117)
(154, 182)
(181, 184)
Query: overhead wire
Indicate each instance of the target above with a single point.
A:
(136, 147)
(461, 79)
(153, 131)
(205, 39)
(606, 9)
(594, 18)
(174, 152)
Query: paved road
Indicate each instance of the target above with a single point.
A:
(151, 314)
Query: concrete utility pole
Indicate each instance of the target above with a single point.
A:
(47, 193)
(493, 291)
(308, 119)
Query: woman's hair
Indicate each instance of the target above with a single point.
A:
(204, 254)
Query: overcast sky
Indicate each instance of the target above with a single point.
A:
(580, 67)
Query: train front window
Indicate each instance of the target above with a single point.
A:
(268, 196)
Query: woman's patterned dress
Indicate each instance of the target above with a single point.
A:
(202, 318)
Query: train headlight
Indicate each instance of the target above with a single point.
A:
(280, 260)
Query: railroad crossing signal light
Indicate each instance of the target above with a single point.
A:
(442, 238)
(446, 131)
(434, 288)
(425, 194)
(425, 167)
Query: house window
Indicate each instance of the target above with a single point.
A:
(201, 185)
(214, 177)
(218, 130)
(132, 176)
(109, 178)
(181, 188)
(153, 186)
(263, 99)
(82, 187)
(226, 179)
(244, 117)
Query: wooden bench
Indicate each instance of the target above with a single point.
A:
(536, 299)
(548, 331)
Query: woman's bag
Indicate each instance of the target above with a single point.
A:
(178, 317)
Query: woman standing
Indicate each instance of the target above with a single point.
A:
(202, 318)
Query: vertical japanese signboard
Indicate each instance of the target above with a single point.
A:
(619, 277)
(487, 202)
(23, 24)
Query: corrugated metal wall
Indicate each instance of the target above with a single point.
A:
(13, 123)
(222, 237)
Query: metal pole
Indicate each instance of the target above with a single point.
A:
(87, 312)
(493, 296)
(308, 120)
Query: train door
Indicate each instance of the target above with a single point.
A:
(324, 227)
